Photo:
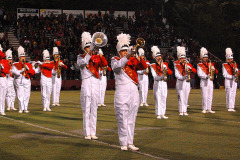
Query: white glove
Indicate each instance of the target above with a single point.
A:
(61, 64)
(164, 67)
(188, 67)
(2, 66)
(92, 46)
(148, 63)
(72, 68)
(236, 69)
(27, 68)
(39, 62)
(22, 70)
(212, 68)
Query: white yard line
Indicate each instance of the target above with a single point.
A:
(73, 135)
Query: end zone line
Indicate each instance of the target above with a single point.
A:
(73, 135)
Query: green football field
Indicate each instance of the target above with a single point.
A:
(59, 134)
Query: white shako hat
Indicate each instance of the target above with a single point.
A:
(86, 39)
(21, 52)
(46, 55)
(123, 41)
(9, 54)
(141, 52)
(155, 51)
(181, 52)
(55, 50)
(203, 53)
(229, 53)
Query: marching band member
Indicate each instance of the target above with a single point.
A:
(56, 77)
(182, 73)
(11, 94)
(126, 100)
(160, 70)
(22, 73)
(89, 64)
(4, 70)
(204, 70)
(143, 80)
(230, 73)
(46, 79)
(103, 82)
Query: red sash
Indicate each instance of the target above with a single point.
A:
(157, 69)
(229, 68)
(204, 68)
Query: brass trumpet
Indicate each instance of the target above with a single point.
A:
(140, 42)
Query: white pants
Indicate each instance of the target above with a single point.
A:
(160, 95)
(207, 94)
(11, 95)
(143, 87)
(89, 104)
(23, 91)
(46, 89)
(56, 88)
(126, 104)
(103, 86)
(183, 90)
(3, 92)
(230, 91)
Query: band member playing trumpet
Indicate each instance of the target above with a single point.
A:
(143, 80)
(183, 70)
(102, 82)
(11, 94)
(206, 71)
(126, 99)
(22, 73)
(56, 76)
(160, 70)
(230, 73)
(4, 70)
(46, 79)
(89, 63)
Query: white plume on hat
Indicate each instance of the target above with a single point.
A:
(9, 54)
(1, 49)
(141, 52)
(21, 52)
(181, 52)
(86, 39)
(123, 41)
(46, 55)
(203, 53)
(229, 53)
(55, 50)
(155, 51)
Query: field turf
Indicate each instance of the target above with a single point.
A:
(59, 134)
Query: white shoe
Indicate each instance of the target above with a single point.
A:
(164, 117)
(211, 111)
(231, 110)
(158, 117)
(188, 105)
(132, 147)
(48, 109)
(146, 105)
(20, 111)
(14, 109)
(204, 111)
(3, 114)
(44, 109)
(141, 105)
(57, 104)
(94, 137)
(26, 111)
(99, 105)
(185, 114)
(181, 114)
(8, 109)
(124, 148)
(53, 104)
(88, 137)
(103, 105)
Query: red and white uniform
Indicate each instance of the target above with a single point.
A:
(89, 66)
(143, 85)
(11, 94)
(230, 84)
(22, 84)
(102, 84)
(46, 83)
(126, 100)
(160, 89)
(56, 82)
(182, 86)
(206, 85)
(5, 68)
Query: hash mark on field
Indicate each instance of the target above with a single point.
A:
(229, 121)
(73, 135)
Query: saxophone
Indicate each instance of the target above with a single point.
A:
(164, 71)
(59, 69)
(188, 72)
(104, 70)
(211, 71)
(236, 74)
